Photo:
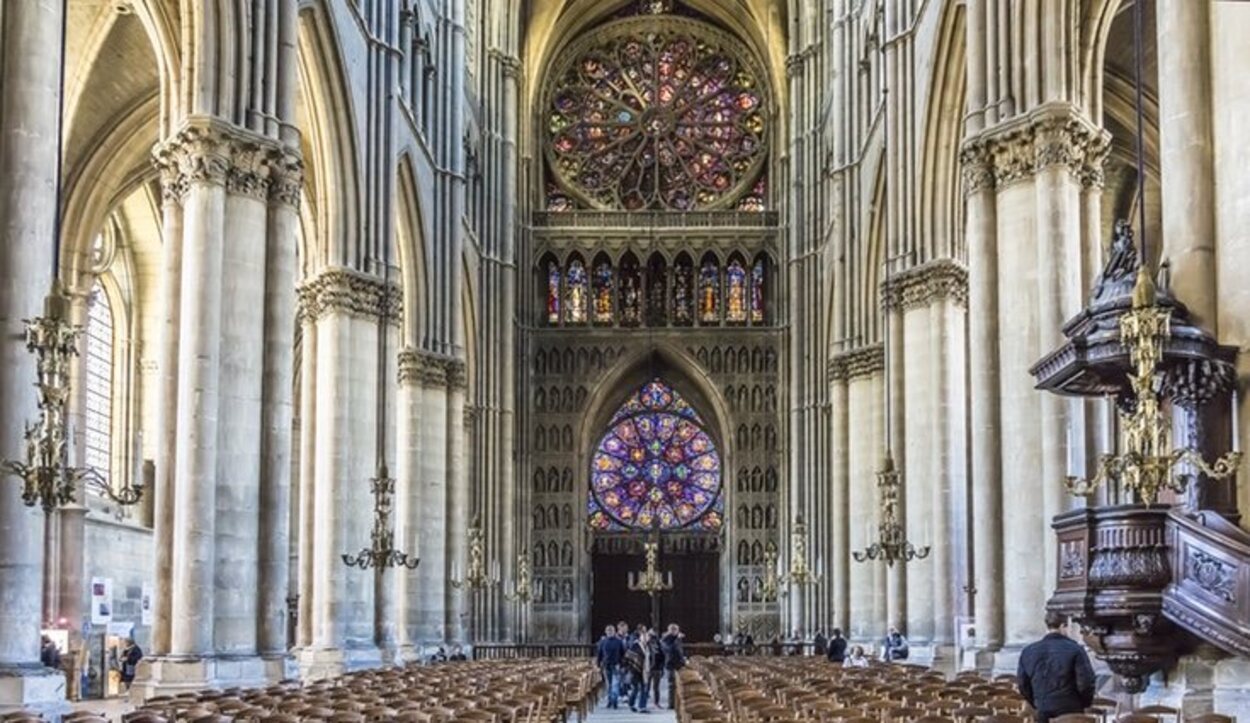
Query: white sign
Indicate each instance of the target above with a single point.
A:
(145, 605)
(101, 600)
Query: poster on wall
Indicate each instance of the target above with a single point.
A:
(101, 600)
(145, 606)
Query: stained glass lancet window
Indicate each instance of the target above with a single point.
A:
(98, 369)
(735, 292)
(683, 291)
(665, 116)
(709, 292)
(553, 292)
(757, 291)
(657, 310)
(631, 291)
(576, 292)
(655, 465)
(603, 284)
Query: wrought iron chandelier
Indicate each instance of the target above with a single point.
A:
(47, 478)
(477, 577)
(891, 545)
(381, 552)
(800, 573)
(1149, 464)
(651, 580)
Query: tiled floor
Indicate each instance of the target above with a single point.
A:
(603, 714)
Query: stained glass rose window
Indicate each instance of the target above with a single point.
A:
(656, 465)
(668, 116)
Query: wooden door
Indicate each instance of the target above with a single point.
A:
(693, 603)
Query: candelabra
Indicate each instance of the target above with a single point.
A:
(476, 577)
(892, 545)
(651, 580)
(1148, 464)
(381, 552)
(769, 588)
(524, 588)
(47, 478)
(800, 573)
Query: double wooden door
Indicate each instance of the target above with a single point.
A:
(693, 603)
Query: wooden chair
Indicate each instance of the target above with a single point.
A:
(1076, 718)
(1210, 718)
(1137, 718)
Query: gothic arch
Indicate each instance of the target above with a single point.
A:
(410, 240)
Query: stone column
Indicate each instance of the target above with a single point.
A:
(458, 497)
(897, 399)
(409, 506)
(865, 380)
(307, 466)
(204, 161)
(276, 411)
(1187, 166)
(985, 433)
(173, 186)
(841, 513)
(29, 96)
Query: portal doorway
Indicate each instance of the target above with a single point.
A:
(693, 603)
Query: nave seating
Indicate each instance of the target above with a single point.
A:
(811, 690)
(539, 691)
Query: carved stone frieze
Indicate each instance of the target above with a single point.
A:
(206, 150)
(977, 166)
(856, 363)
(1071, 560)
(922, 285)
(431, 371)
(341, 290)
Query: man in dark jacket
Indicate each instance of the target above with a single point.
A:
(837, 647)
(674, 659)
(1054, 674)
(609, 653)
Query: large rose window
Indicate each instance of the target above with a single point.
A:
(655, 465)
(656, 115)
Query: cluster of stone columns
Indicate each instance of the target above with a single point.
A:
(29, 96)
(223, 468)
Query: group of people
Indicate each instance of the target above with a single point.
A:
(835, 648)
(634, 663)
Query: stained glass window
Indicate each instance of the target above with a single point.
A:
(709, 292)
(647, 116)
(735, 292)
(553, 292)
(631, 292)
(655, 465)
(757, 292)
(683, 292)
(657, 310)
(98, 368)
(603, 292)
(576, 292)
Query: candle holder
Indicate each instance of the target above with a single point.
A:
(799, 574)
(477, 577)
(381, 553)
(892, 544)
(1148, 464)
(524, 589)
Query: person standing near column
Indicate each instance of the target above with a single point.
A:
(1054, 674)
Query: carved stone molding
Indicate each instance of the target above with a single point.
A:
(431, 371)
(922, 285)
(856, 363)
(340, 290)
(1052, 135)
(207, 150)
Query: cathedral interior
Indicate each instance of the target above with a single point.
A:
(764, 317)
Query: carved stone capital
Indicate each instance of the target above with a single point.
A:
(1052, 135)
(922, 285)
(344, 291)
(856, 363)
(211, 151)
(429, 370)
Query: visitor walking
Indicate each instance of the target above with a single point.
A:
(657, 666)
(1054, 673)
(608, 654)
(837, 647)
(674, 659)
(639, 661)
(131, 655)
